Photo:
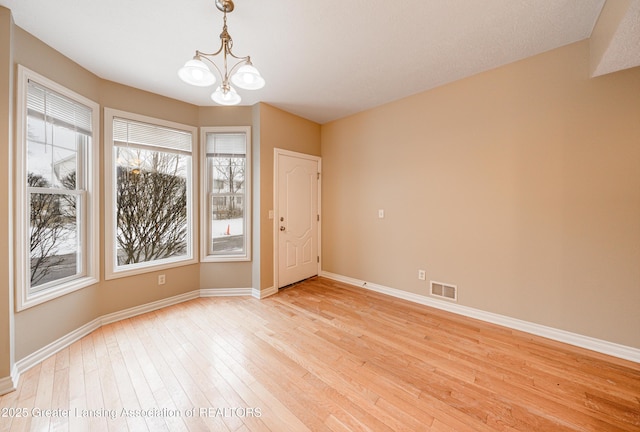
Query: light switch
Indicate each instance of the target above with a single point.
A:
(381, 213)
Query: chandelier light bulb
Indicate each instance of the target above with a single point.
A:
(229, 97)
(247, 77)
(196, 72)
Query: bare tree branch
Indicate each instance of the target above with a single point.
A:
(151, 211)
(47, 222)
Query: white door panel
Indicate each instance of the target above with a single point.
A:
(297, 217)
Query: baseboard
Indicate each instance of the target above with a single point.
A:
(147, 307)
(253, 292)
(260, 294)
(10, 383)
(225, 292)
(42, 354)
(593, 344)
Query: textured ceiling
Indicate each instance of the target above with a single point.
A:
(322, 60)
(621, 33)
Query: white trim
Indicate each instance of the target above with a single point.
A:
(205, 221)
(148, 307)
(260, 294)
(91, 228)
(77, 334)
(225, 292)
(8, 384)
(110, 271)
(598, 345)
(45, 352)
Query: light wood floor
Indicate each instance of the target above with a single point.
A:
(321, 356)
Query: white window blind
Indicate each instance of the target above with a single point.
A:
(130, 132)
(57, 201)
(57, 109)
(226, 144)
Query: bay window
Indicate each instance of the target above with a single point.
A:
(56, 190)
(226, 185)
(149, 201)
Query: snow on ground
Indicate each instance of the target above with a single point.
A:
(219, 227)
(66, 241)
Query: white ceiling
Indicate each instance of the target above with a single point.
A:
(322, 60)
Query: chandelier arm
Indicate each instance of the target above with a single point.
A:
(204, 57)
(245, 58)
(204, 54)
(242, 60)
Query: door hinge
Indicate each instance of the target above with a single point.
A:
(318, 176)
(318, 258)
(318, 219)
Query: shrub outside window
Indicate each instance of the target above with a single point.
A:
(151, 216)
(57, 180)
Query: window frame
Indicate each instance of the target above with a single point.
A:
(89, 217)
(110, 223)
(206, 196)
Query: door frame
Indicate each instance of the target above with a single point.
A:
(277, 152)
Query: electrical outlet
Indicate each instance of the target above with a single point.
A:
(161, 279)
(422, 275)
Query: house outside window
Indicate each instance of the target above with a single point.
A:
(226, 186)
(56, 190)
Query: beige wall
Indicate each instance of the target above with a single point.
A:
(6, 119)
(226, 274)
(520, 185)
(278, 129)
(38, 326)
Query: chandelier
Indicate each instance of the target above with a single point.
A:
(197, 73)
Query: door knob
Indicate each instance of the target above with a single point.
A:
(282, 228)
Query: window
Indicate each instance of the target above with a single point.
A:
(149, 198)
(56, 190)
(226, 185)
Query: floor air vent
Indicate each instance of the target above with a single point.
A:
(446, 291)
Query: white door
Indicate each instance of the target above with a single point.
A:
(297, 216)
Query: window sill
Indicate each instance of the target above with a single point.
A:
(153, 266)
(226, 258)
(26, 301)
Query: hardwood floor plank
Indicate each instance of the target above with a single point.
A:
(185, 392)
(284, 377)
(60, 400)
(26, 399)
(325, 356)
(121, 377)
(145, 400)
(111, 401)
(276, 417)
(44, 395)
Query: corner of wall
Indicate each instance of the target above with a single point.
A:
(256, 221)
(606, 30)
(8, 378)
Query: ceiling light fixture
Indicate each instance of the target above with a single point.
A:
(197, 73)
